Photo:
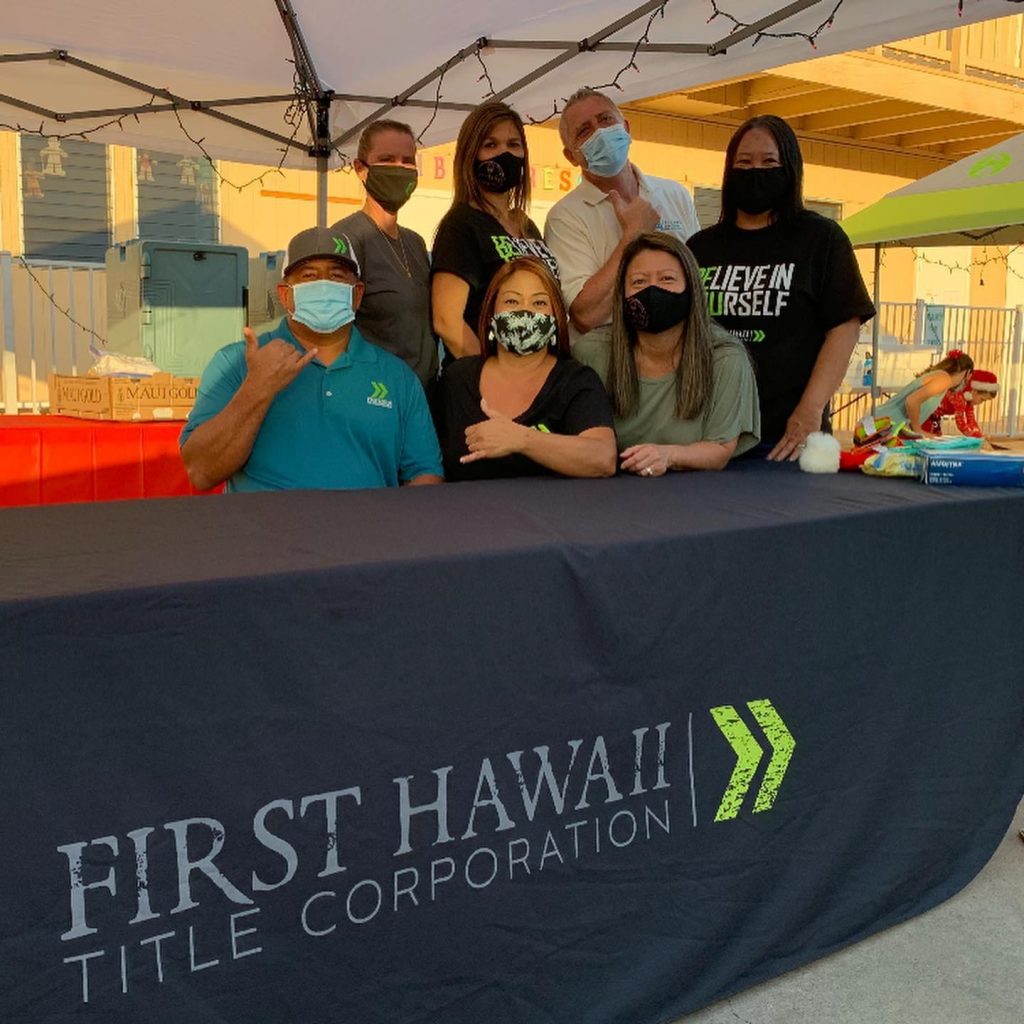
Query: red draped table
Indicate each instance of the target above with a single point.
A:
(47, 460)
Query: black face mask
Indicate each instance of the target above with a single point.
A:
(758, 189)
(500, 173)
(391, 185)
(654, 309)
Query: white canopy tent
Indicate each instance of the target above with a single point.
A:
(292, 82)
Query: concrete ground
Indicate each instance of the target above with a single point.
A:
(960, 963)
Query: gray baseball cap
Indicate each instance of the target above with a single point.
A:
(321, 243)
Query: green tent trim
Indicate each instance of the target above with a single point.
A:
(974, 211)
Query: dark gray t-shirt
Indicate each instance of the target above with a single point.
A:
(395, 311)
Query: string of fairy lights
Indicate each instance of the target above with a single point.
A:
(810, 37)
(293, 116)
(63, 310)
(630, 65)
(990, 255)
(296, 113)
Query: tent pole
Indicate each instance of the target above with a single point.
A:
(317, 106)
(876, 326)
(321, 191)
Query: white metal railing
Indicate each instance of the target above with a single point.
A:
(990, 335)
(49, 313)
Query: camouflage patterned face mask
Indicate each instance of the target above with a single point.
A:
(523, 331)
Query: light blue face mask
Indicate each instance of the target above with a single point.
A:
(323, 306)
(607, 150)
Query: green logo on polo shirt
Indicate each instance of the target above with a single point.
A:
(379, 396)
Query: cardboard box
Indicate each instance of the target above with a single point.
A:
(974, 469)
(85, 397)
(128, 399)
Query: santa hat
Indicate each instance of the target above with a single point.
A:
(983, 381)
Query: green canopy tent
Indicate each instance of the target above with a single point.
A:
(977, 201)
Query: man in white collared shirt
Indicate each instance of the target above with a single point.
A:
(590, 228)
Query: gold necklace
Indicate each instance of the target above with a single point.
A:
(399, 254)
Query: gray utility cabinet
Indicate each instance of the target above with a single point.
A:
(175, 303)
(265, 309)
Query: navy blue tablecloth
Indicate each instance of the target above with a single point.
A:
(518, 752)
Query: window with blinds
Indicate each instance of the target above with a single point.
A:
(708, 203)
(177, 197)
(65, 199)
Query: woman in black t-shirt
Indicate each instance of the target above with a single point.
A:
(784, 280)
(487, 224)
(525, 406)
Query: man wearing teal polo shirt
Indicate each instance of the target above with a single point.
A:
(311, 404)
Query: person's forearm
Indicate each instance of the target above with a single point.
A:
(469, 343)
(966, 422)
(913, 407)
(700, 455)
(592, 307)
(423, 479)
(458, 338)
(222, 445)
(830, 366)
(571, 455)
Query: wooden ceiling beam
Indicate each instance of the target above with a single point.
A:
(732, 95)
(958, 150)
(911, 83)
(870, 112)
(774, 88)
(917, 122)
(958, 133)
(820, 102)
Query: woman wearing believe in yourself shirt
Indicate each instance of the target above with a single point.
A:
(784, 280)
(487, 225)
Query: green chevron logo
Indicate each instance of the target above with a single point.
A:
(758, 336)
(340, 248)
(988, 166)
(749, 753)
(379, 397)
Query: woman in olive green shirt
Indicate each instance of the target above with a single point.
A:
(682, 388)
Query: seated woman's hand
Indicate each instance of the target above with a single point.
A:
(645, 459)
(494, 437)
